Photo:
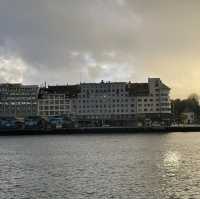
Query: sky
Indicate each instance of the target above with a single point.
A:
(73, 41)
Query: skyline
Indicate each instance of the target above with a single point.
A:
(110, 40)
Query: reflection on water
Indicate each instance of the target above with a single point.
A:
(101, 166)
(172, 160)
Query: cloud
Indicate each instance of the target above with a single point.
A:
(12, 69)
(66, 41)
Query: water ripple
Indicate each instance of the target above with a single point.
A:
(101, 166)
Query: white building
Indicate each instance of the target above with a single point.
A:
(18, 100)
(189, 117)
(122, 101)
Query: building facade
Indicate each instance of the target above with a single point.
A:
(18, 100)
(122, 101)
(116, 103)
(55, 101)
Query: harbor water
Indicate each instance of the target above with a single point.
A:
(95, 166)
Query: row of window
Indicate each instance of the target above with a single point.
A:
(104, 105)
(166, 109)
(67, 107)
(103, 90)
(15, 95)
(126, 100)
(27, 109)
(120, 105)
(54, 97)
(124, 111)
(164, 94)
(109, 95)
(102, 101)
(18, 103)
(151, 110)
(107, 111)
(147, 105)
(148, 110)
(165, 104)
(44, 102)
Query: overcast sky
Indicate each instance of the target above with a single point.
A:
(62, 41)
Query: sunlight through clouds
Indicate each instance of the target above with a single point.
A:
(12, 69)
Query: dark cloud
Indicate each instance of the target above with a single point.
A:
(75, 40)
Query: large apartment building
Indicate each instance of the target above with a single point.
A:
(122, 100)
(18, 100)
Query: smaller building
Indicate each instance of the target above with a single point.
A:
(53, 102)
(56, 100)
(188, 117)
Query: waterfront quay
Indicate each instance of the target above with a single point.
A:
(99, 130)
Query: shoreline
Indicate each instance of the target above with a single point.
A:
(98, 130)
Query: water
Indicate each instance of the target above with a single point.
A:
(138, 166)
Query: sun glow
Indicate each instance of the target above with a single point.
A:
(12, 69)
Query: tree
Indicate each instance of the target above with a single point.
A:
(189, 104)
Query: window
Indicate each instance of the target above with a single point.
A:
(46, 108)
(67, 107)
(51, 107)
